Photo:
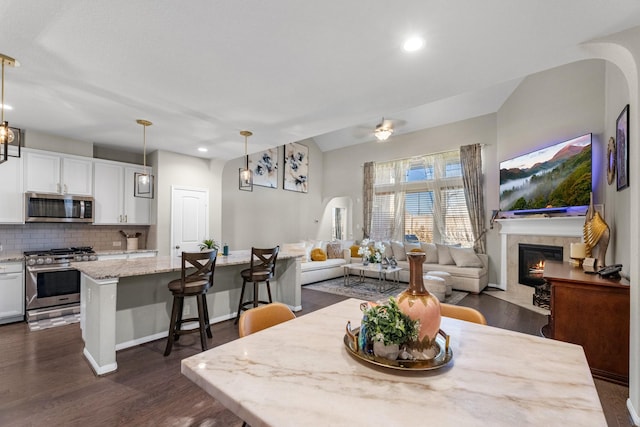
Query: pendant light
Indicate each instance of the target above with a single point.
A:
(143, 182)
(246, 177)
(7, 135)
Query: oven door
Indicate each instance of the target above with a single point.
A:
(51, 286)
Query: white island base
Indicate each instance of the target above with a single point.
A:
(124, 303)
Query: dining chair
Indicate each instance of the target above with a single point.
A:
(261, 269)
(192, 284)
(462, 313)
(263, 317)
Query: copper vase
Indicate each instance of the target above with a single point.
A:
(417, 303)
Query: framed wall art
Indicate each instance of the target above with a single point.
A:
(296, 167)
(622, 149)
(264, 166)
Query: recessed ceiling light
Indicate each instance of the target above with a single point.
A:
(202, 149)
(412, 44)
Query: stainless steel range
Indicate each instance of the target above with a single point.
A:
(50, 280)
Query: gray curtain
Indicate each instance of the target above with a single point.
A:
(471, 161)
(367, 198)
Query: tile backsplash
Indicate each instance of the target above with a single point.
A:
(36, 236)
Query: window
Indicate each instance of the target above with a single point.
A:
(422, 196)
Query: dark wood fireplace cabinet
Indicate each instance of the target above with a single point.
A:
(593, 312)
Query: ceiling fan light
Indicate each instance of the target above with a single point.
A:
(383, 133)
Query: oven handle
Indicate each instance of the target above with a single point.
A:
(48, 269)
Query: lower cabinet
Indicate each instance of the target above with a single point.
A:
(593, 312)
(11, 292)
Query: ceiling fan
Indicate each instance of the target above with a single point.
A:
(383, 130)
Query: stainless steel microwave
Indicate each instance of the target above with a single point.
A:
(44, 207)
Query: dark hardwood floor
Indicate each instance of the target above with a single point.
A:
(44, 379)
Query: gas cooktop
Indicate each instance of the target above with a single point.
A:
(60, 255)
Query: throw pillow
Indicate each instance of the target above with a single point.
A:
(354, 251)
(409, 247)
(398, 251)
(431, 251)
(318, 254)
(465, 257)
(334, 250)
(388, 250)
(444, 256)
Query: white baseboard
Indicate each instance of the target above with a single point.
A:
(634, 415)
(99, 370)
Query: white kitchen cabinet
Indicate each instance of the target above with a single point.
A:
(11, 292)
(113, 195)
(48, 172)
(12, 191)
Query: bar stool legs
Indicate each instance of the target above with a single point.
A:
(175, 327)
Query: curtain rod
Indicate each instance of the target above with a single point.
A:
(422, 155)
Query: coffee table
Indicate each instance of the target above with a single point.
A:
(388, 278)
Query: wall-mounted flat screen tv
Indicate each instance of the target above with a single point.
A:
(552, 179)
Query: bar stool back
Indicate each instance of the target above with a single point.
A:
(192, 283)
(261, 269)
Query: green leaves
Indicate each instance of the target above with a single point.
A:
(389, 324)
(208, 244)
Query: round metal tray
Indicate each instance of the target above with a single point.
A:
(444, 354)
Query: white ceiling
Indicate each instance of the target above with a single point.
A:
(202, 70)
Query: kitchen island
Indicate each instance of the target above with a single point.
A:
(125, 302)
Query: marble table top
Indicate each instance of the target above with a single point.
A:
(114, 268)
(299, 373)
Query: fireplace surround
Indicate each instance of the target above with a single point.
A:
(553, 231)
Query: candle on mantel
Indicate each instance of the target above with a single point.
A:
(578, 253)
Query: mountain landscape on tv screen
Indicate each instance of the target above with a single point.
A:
(558, 176)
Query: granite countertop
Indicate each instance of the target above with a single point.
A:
(123, 251)
(114, 268)
(11, 257)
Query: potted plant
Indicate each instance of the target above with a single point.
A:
(208, 244)
(388, 329)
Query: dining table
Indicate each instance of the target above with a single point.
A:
(301, 372)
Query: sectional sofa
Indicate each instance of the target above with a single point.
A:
(469, 271)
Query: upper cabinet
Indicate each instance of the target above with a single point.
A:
(12, 191)
(113, 195)
(48, 172)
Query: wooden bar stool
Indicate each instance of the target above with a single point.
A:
(261, 268)
(196, 284)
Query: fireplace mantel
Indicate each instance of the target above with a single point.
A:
(570, 227)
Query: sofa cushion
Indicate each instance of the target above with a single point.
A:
(455, 271)
(388, 250)
(431, 251)
(318, 254)
(320, 265)
(465, 257)
(398, 251)
(334, 250)
(354, 251)
(444, 256)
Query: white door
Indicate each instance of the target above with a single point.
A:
(189, 219)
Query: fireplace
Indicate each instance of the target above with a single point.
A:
(531, 259)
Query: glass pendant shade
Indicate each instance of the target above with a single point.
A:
(144, 182)
(7, 135)
(245, 175)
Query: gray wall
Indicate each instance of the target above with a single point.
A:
(266, 217)
(617, 203)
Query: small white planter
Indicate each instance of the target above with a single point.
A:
(390, 351)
